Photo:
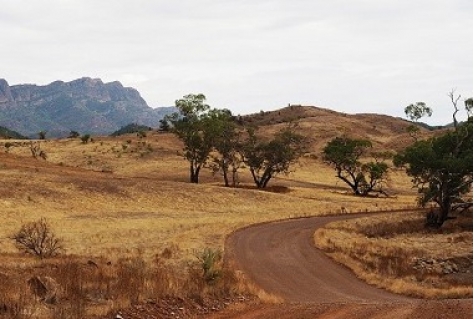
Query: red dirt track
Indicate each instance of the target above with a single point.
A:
(281, 259)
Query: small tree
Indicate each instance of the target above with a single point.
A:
(38, 239)
(8, 145)
(85, 138)
(344, 154)
(192, 126)
(74, 134)
(266, 159)
(441, 169)
(164, 125)
(414, 112)
(42, 135)
(227, 144)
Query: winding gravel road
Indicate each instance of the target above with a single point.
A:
(281, 259)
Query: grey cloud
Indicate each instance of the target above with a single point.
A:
(366, 55)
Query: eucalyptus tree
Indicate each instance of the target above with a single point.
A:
(191, 125)
(345, 156)
(267, 158)
(441, 167)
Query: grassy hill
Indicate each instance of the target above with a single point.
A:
(112, 174)
(124, 197)
(321, 125)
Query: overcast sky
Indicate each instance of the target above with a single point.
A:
(351, 56)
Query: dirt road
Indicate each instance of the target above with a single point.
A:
(281, 259)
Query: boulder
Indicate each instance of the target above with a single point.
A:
(45, 288)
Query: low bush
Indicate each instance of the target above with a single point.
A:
(37, 238)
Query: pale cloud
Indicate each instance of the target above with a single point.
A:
(351, 56)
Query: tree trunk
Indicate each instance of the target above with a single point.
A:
(225, 172)
(226, 178)
(265, 179)
(255, 178)
(445, 209)
(234, 177)
(194, 174)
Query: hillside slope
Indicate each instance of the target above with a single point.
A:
(321, 125)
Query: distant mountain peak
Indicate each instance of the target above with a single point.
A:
(85, 105)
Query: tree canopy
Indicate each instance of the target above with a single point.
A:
(267, 158)
(344, 154)
(441, 168)
(227, 144)
(192, 125)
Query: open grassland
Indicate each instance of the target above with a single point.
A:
(106, 199)
(396, 252)
(126, 202)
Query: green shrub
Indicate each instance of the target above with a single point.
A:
(210, 263)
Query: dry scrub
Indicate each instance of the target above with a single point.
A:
(127, 196)
(395, 251)
(71, 287)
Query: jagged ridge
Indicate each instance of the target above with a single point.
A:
(85, 105)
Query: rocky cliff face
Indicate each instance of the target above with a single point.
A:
(85, 105)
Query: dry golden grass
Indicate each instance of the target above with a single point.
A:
(396, 252)
(117, 198)
(147, 204)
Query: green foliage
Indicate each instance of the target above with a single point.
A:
(468, 106)
(85, 138)
(344, 155)
(37, 238)
(417, 110)
(266, 159)
(441, 167)
(227, 144)
(164, 125)
(193, 125)
(42, 135)
(74, 134)
(209, 260)
(7, 133)
(414, 112)
(131, 128)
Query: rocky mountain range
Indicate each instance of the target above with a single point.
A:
(84, 105)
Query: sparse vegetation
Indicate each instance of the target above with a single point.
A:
(228, 158)
(209, 260)
(36, 151)
(70, 287)
(74, 134)
(194, 126)
(9, 134)
(441, 168)
(37, 238)
(396, 252)
(85, 138)
(42, 135)
(131, 128)
(8, 145)
(414, 112)
(107, 201)
(344, 154)
(266, 159)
